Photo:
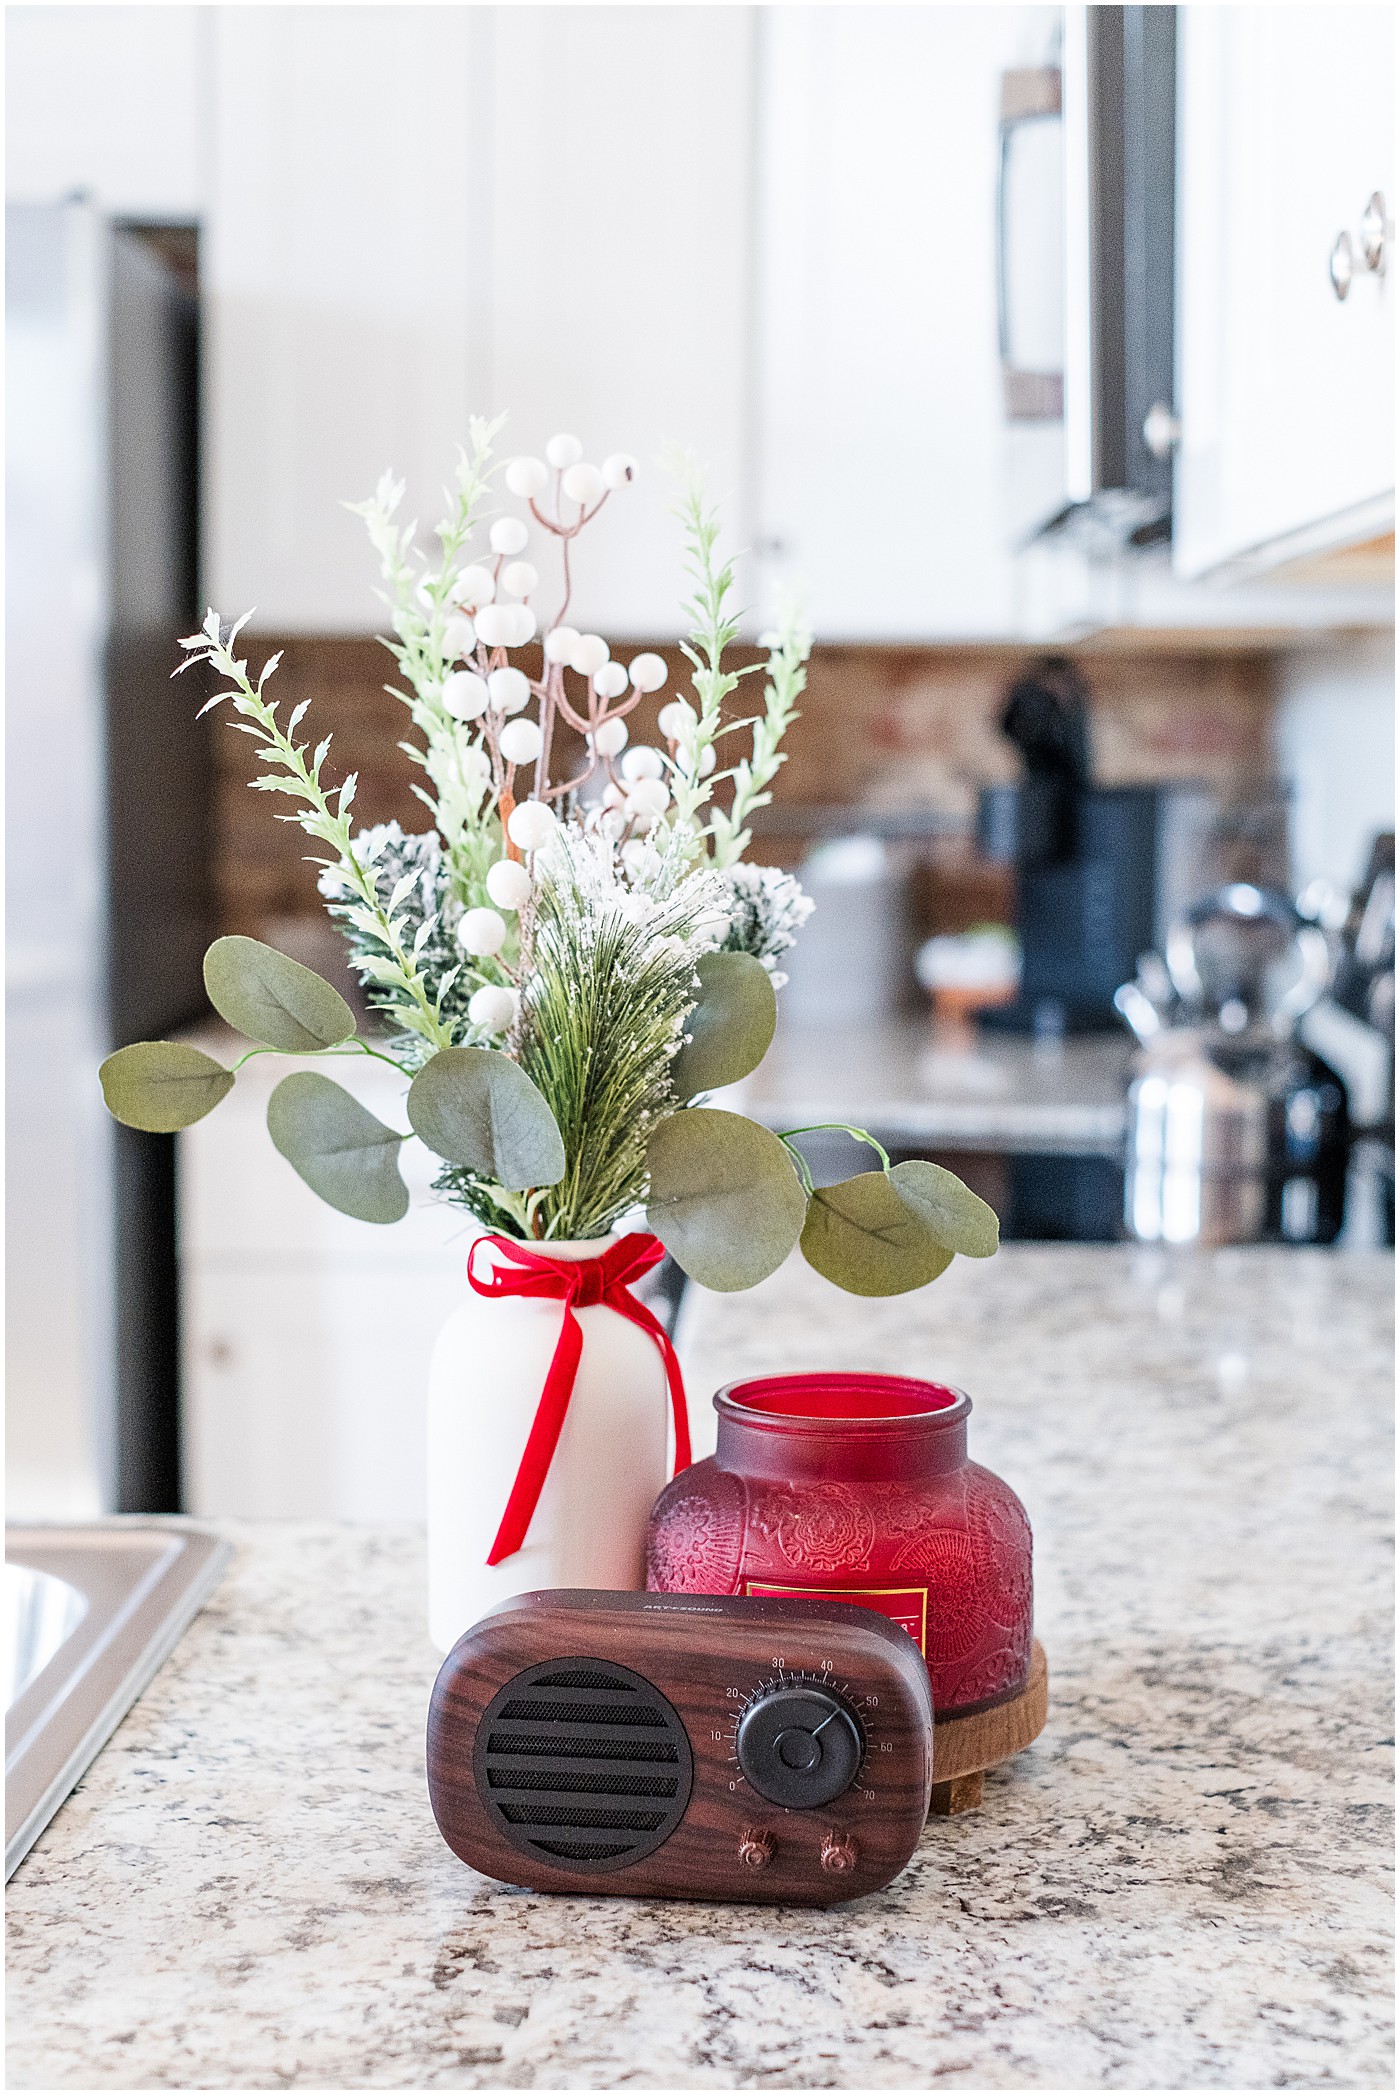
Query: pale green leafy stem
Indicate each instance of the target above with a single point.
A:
(291, 773)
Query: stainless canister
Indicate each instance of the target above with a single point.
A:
(1197, 1149)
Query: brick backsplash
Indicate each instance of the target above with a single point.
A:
(891, 728)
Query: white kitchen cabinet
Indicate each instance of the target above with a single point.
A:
(306, 1386)
(1286, 127)
(888, 475)
(421, 213)
(109, 102)
(620, 269)
(343, 259)
(305, 1335)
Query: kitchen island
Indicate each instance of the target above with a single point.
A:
(1182, 1884)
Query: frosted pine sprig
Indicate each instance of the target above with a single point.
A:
(767, 909)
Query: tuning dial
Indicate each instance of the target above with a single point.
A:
(800, 1746)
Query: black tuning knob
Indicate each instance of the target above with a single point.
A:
(800, 1746)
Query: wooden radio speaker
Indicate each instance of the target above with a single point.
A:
(683, 1746)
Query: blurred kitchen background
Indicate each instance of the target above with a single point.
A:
(1047, 351)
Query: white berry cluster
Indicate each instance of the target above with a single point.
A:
(508, 717)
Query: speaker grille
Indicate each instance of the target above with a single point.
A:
(583, 1763)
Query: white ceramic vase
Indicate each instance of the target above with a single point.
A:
(589, 1527)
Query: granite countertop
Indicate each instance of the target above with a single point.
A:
(1182, 1884)
(908, 1080)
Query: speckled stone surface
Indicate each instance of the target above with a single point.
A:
(1183, 1884)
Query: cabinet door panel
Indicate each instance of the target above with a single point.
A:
(344, 252)
(887, 469)
(306, 1387)
(1287, 392)
(622, 204)
(306, 1335)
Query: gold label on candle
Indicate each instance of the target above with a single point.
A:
(906, 1605)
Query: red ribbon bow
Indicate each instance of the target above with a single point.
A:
(579, 1284)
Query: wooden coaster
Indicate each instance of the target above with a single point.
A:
(964, 1747)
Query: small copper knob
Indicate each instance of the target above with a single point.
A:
(755, 1847)
(838, 1852)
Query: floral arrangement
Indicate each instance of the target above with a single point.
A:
(566, 963)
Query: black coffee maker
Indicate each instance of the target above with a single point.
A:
(1097, 867)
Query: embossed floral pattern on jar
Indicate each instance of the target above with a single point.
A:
(859, 1488)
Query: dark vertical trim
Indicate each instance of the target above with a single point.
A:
(1106, 209)
(1149, 245)
(147, 1301)
(160, 812)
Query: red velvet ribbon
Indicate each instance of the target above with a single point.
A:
(578, 1284)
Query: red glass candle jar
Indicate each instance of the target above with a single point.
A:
(858, 1488)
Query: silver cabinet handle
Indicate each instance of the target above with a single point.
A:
(1341, 264)
(1376, 230)
(1161, 429)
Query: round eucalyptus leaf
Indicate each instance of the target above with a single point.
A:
(861, 1235)
(730, 1025)
(162, 1085)
(333, 1142)
(273, 999)
(477, 1108)
(725, 1198)
(952, 1214)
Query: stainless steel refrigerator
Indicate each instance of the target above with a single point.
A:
(108, 862)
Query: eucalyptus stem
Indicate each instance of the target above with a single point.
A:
(320, 1055)
(837, 1127)
(804, 1169)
